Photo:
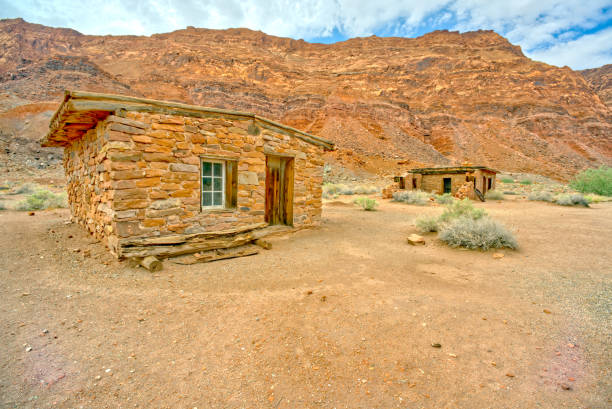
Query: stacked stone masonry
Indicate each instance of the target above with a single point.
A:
(138, 175)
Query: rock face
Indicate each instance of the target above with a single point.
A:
(388, 103)
(600, 80)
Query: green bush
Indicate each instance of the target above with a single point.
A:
(575, 199)
(597, 181)
(446, 198)
(526, 182)
(507, 180)
(367, 203)
(461, 208)
(482, 233)
(2, 206)
(415, 197)
(427, 224)
(541, 196)
(43, 199)
(494, 195)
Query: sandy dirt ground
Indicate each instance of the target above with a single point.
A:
(342, 316)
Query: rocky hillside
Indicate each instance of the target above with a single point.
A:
(388, 103)
(600, 79)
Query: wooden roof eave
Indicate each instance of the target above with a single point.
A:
(81, 101)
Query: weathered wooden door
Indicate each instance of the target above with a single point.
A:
(279, 190)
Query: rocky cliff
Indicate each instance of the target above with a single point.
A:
(600, 80)
(388, 103)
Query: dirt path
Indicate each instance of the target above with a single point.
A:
(338, 317)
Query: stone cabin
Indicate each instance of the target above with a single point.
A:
(464, 181)
(158, 178)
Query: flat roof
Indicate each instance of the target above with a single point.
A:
(450, 169)
(80, 111)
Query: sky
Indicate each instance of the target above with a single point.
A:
(576, 33)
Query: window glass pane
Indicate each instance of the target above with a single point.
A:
(217, 184)
(206, 199)
(218, 171)
(218, 199)
(207, 183)
(206, 168)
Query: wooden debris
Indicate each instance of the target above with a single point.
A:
(264, 244)
(217, 254)
(151, 263)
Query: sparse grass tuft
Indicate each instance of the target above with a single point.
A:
(597, 181)
(43, 199)
(494, 195)
(366, 203)
(25, 189)
(541, 196)
(427, 224)
(526, 182)
(507, 180)
(415, 197)
(446, 198)
(461, 208)
(2, 206)
(365, 189)
(482, 233)
(575, 199)
(331, 190)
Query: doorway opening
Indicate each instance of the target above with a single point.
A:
(447, 185)
(279, 190)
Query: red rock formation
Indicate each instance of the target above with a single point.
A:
(600, 80)
(440, 98)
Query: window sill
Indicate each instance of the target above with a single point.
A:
(205, 210)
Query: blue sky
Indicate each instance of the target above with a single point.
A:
(577, 33)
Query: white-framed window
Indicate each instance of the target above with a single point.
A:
(213, 184)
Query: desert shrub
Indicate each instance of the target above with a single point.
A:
(461, 208)
(507, 180)
(510, 192)
(25, 189)
(446, 198)
(43, 199)
(482, 233)
(366, 203)
(575, 199)
(597, 181)
(2, 206)
(594, 198)
(526, 182)
(365, 190)
(542, 196)
(427, 224)
(416, 197)
(494, 195)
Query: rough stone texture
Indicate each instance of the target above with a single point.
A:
(126, 184)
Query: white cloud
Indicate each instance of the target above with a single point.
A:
(592, 50)
(546, 29)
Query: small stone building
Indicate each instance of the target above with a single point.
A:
(464, 181)
(150, 177)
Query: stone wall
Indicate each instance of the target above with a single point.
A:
(434, 183)
(87, 187)
(146, 173)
